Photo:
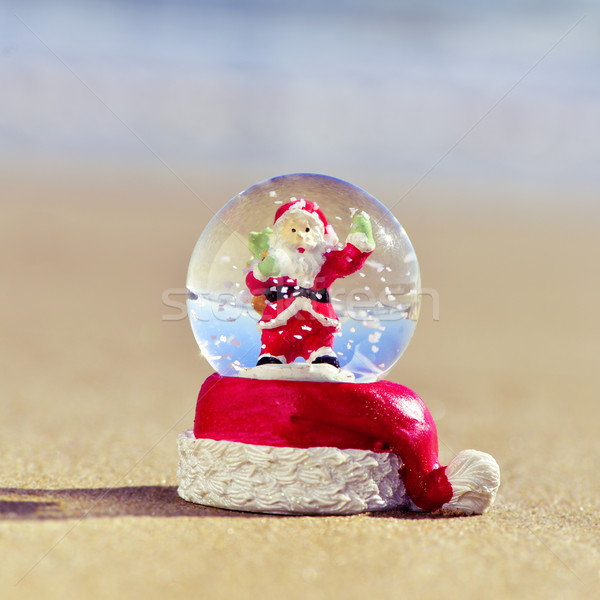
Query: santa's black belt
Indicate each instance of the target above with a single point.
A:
(281, 292)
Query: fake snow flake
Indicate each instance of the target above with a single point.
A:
(374, 337)
(235, 342)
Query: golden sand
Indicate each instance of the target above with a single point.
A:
(96, 386)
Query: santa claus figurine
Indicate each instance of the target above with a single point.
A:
(296, 261)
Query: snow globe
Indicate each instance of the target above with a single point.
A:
(303, 292)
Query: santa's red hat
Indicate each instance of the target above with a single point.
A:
(312, 211)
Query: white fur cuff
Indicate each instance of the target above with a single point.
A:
(359, 240)
(318, 480)
(270, 479)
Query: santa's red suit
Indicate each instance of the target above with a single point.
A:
(300, 321)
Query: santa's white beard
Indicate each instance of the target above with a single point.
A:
(303, 267)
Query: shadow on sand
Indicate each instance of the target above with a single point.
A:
(139, 501)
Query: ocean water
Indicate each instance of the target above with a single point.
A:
(462, 91)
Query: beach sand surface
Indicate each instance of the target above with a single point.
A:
(99, 376)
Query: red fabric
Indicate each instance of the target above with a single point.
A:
(340, 263)
(337, 264)
(380, 416)
(299, 337)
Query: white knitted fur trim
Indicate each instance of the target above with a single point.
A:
(475, 479)
(269, 479)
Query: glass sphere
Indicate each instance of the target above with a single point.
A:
(377, 306)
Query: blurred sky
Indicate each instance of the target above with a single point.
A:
(511, 90)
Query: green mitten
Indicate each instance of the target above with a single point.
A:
(362, 224)
(258, 242)
(269, 266)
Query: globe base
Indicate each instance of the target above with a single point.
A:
(320, 447)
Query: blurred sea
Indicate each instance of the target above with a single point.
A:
(498, 93)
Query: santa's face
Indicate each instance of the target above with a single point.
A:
(298, 231)
(299, 245)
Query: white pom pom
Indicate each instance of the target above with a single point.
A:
(475, 479)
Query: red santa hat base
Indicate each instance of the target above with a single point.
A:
(300, 447)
